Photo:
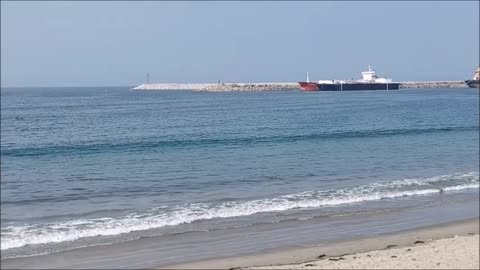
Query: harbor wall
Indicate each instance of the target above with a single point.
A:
(433, 84)
(277, 86)
(223, 87)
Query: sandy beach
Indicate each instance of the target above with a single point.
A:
(447, 246)
(459, 252)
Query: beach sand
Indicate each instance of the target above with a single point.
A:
(453, 245)
(460, 252)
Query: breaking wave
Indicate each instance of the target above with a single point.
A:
(19, 236)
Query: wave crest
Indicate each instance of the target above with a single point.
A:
(19, 236)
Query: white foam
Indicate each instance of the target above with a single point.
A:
(461, 187)
(18, 236)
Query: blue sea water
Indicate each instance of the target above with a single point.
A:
(95, 166)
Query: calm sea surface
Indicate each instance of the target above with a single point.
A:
(94, 166)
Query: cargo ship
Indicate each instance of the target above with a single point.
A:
(369, 81)
(308, 85)
(475, 82)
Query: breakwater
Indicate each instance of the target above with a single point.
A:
(433, 84)
(222, 87)
(277, 86)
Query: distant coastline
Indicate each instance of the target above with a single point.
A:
(277, 86)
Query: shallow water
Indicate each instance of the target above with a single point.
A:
(94, 166)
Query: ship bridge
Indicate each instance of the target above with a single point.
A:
(371, 76)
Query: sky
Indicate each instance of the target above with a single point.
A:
(117, 43)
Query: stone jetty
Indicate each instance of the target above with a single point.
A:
(172, 86)
(277, 86)
(434, 84)
(222, 87)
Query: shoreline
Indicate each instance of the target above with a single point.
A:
(265, 243)
(290, 256)
(458, 252)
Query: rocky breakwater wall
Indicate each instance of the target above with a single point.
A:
(277, 86)
(247, 87)
(433, 84)
(222, 87)
(172, 86)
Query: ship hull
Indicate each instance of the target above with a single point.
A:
(357, 86)
(473, 83)
(308, 86)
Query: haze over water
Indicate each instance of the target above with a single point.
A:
(120, 164)
(102, 43)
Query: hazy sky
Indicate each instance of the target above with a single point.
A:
(117, 43)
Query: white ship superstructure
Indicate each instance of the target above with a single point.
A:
(370, 76)
(476, 75)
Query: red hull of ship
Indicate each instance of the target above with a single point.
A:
(308, 86)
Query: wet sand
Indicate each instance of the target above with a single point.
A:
(459, 252)
(451, 245)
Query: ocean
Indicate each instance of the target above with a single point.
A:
(109, 168)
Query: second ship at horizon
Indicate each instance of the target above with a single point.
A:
(369, 81)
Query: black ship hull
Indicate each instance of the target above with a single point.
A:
(357, 86)
(473, 83)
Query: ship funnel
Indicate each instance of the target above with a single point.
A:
(308, 80)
